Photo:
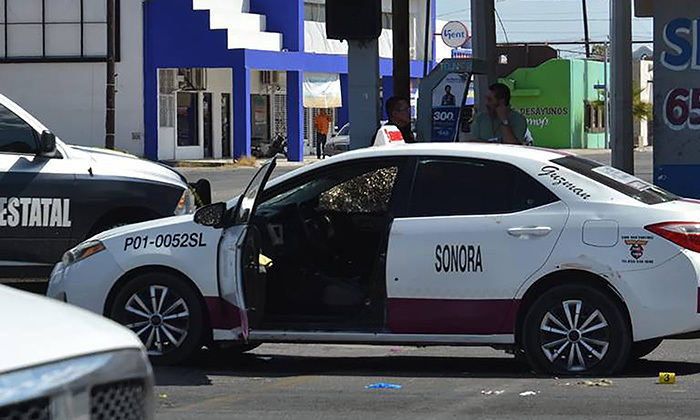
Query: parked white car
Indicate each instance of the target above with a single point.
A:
(61, 362)
(575, 265)
(338, 143)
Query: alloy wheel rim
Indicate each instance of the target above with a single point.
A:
(160, 317)
(574, 336)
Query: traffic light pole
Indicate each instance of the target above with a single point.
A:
(110, 122)
(401, 36)
(622, 140)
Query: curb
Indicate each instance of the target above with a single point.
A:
(198, 164)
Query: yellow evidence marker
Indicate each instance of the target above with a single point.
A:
(667, 378)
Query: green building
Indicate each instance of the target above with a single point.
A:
(561, 103)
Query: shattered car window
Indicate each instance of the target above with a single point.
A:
(367, 193)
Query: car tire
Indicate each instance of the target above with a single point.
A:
(643, 348)
(556, 341)
(165, 313)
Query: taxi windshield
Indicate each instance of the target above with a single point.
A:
(618, 180)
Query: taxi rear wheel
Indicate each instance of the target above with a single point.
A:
(164, 312)
(576, 330)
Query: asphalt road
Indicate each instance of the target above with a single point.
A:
(328, 382)
(228, 182)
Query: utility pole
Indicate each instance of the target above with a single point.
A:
(111, 74)
(621, 72)
(402, 72)
(363, 81)
(607, 94)
(484, 43)
(585, 30)
(428, 36)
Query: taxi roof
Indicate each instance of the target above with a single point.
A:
(473, 150)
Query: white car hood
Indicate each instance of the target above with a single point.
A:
(38, 330)
(110, 163)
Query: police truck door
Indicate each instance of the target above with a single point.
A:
(35, 201)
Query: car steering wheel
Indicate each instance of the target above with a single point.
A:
(316, 229)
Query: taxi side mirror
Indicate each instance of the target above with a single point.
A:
(47, 144)
(211, 215)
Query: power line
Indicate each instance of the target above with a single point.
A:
(454, 12)
(567, 43)
(502, 26)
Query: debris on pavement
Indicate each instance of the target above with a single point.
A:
(492, 392)
(397, 350)
(601, 382)
(163, 396)
(529, 393)
(383, 385)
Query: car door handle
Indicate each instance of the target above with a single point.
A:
(530, 231)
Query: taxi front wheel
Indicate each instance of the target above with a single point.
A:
(576, 330)
(164, 312)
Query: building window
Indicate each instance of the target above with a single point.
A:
(387, 21)
(315, 12)
(594, 118)
(187, 119)
(54, 30)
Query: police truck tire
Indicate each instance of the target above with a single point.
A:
(643, 348)
(166, 314)
(556, 341)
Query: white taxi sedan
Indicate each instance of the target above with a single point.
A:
(575, 265)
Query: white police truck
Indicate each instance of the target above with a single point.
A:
(53, 196)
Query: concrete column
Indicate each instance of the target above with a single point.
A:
(150, 113)
(344, 111)
(622, 141)
(484, 44)
(401, 53)
(363, 69)
(241, 112)
(387, 92)
(295, 116)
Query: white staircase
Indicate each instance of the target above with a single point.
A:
(245, 30)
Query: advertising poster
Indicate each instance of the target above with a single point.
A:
(448, 97)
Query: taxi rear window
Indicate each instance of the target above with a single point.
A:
(618, 180)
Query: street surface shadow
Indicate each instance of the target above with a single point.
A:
(196, 371)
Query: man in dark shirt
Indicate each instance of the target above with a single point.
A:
(399, 111)
(449, 99)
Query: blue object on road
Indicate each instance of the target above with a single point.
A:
(383, 385)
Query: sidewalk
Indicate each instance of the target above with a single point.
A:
(588, 152)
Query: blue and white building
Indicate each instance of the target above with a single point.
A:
(196, 78)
